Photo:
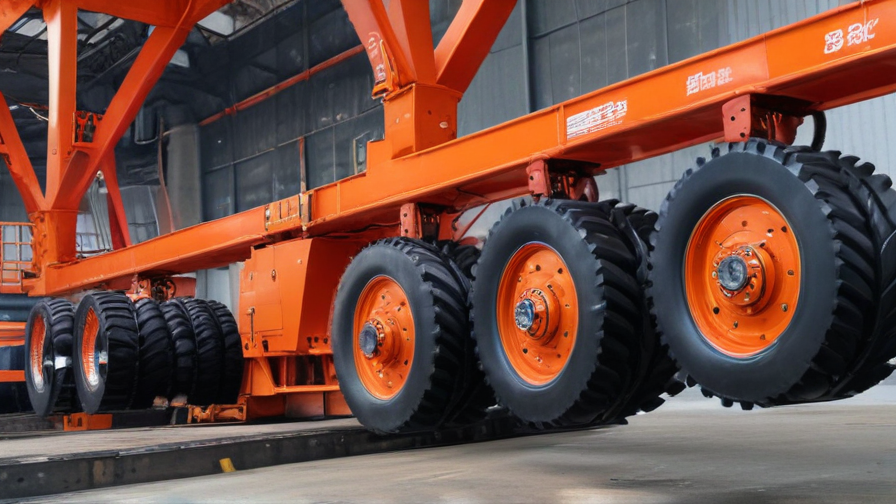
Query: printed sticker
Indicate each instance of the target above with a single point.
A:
(701, 81)
(856, 34)
(596, 119)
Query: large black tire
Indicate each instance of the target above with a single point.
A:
(835, 306)
(232, 374)
(209, 351)
(654, 368)
(13, 395)
(156, 355)
(602, 267)
(436, 298)
(111, 385)
(464, 257)
(184, 341)
(52, 384)
(477, 397)
(875, 201)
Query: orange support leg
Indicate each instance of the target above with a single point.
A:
(84, 422)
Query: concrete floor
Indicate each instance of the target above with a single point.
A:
(689, 451)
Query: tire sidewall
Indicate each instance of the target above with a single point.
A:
(776, 369)
(42, 401)
(542, 225)
(91, 399)
(370, 263)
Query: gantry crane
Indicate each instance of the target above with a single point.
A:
(767, 277)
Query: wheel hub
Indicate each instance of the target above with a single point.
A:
(368, 339)
(742, 275)
(533, 313)
(732, 272)
(537, 313)
(384, 337)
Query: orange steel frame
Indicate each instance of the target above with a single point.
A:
(297, 248)
(12, 334)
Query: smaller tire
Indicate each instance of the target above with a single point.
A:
(398, 324)
(209, 351)
(107, 350)
(183, 341)
(48, 347)
(13, 395)
(554, 303)
(156, 354)
(232, 374)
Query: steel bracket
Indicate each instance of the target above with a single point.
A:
(419, 221)
(745, 118)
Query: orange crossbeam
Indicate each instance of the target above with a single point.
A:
(12, 376)
(208, 245)
(12, 333)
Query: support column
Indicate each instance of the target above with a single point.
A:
(62, 57)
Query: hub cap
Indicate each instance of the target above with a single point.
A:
(732, 272)
(384, 337)
(368, 340)
(525, 314)
(537, 313)
(742, 275)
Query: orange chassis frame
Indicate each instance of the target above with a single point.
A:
(420, 176)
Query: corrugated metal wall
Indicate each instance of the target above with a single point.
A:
(312, 132)
(577, 46)
(549, 51)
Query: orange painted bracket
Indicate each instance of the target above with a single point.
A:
(738, 118)
(85, 422)
(410, 221)
(744, 119)
(217, 413)
(539, 178)
(391, 68)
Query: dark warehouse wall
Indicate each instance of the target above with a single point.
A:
(549, 51)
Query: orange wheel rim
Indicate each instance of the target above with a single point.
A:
(36, 352)
(92, 357)
(383, 338)
(742, 275)
(537, 313)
